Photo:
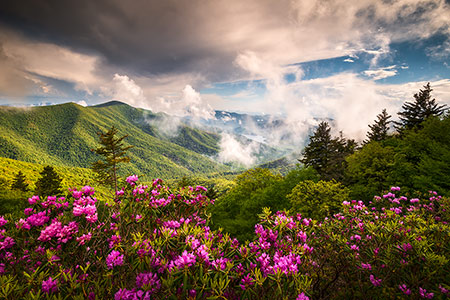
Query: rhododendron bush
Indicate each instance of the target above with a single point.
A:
(154, 243)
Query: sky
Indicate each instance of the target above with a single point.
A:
(299, 60)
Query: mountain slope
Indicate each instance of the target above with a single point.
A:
(64, 135)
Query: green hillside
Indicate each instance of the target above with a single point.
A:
(71, 176)
(12, 201)
(197, 140)
(63, 135)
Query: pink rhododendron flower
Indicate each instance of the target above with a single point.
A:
(423, 293)
(7, 243)
(185, 259)
(114, 259)
(200, 188)
(354, 247)
(132, 179)
(375, 281)
(84, 238)
(302, 296)
(87, 190)
(149, 279)
(50, 286)
(443, 290)
(302, 236)
(404, 289)
(33, 200)
(246, 282)
(38, 219)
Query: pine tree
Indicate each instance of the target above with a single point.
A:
(318, 152)
(19, 182)
(414, 113)
(326, 154)
(342, 148)
(113, 152)
(379, 130)
(49, 184)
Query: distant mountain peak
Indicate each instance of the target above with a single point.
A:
(111, 103)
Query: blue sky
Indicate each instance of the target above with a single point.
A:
(301, 59)
(407, 61)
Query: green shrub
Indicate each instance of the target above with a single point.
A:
(318, 199)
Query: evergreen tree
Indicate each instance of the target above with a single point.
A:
(423, 107)
(113, 152)
(379, 130)
(342, 148)
(326, 154)
(19, 182)
(49, 184)
(318, 153)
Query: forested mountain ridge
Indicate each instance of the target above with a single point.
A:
(63, 135)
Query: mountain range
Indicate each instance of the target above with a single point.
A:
(166, 147)
(65, 134)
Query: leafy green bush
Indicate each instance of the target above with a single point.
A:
(318, 199)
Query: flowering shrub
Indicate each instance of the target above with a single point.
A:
(155, 243)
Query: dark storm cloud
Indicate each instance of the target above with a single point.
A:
(144, 36)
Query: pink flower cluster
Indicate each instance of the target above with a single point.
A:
(84, 238)
(132, 179)
(55, 229)
(186, 259)
(404, 289)
(423, 293)
(85, 205)
(375, 281)
(50, 285)
(148, 279)
(114, 259)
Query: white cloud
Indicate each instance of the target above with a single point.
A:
(82, 103)
(232, 150)
(382, 72)
(187, 104)
(125, 89)
(440, 52)
(194, 106)
(349, 60)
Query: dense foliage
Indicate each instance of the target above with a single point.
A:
(154, 242)
(418, 160)
(237, 210)
(318, 200)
